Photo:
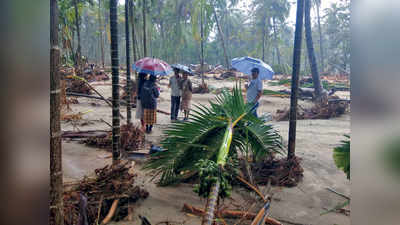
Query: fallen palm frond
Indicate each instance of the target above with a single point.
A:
(108, 195)
(201, 137)
(209, 143)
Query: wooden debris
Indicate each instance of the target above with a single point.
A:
(280, 172)
(84, 134)
(108, 195)
(231, 214)
(334, 108)
(201, 89)
(132, 138)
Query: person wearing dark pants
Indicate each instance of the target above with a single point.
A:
(175, 103)
(254, 90)
(176, 89)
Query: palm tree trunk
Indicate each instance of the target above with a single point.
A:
(115, 81)
(321, 47)
(144, 29)
(134, 43)
(263, 41)
(278, 54)
(208, 218)
(222, 39)
(56, 176)
(128, 64)
(298, 36)
(310, 50)
(101, 35)
(221, 161)
(78, 50)
(201, 45)
(131, 11)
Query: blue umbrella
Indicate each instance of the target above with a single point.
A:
(245, 64)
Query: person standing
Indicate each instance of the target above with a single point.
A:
(139, 108)
(254, 90)
(148, 96)
(186, 94)
(175, 85)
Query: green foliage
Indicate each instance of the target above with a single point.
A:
(201, 137)
(341, 156)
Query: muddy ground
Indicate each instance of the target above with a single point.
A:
(298, 205)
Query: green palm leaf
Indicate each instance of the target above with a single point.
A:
(202, 136)
(341, 156)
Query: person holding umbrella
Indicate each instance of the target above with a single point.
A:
(154, 67)
(258, 71)
(254, 90)
(139, 108)
(175, 85)
(148, 97)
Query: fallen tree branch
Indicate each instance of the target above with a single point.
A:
(232, 214)
(111, 212)
(252, 187)
(84, 134)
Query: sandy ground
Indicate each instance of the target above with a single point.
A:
(299, 205)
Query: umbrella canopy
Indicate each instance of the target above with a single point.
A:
(245, 64)
(152, 66)
(182, 68)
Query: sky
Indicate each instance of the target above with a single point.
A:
(292, 16)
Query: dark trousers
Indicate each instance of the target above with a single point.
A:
(175, 102)
(254, 109)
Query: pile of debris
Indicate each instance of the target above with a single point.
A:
(109, 195)
(132, 139)
(201, 89)
(279, 172)
(334, 108)
(78, 86)
(95, 75)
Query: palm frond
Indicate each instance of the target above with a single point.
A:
(201, 137)
(341, 156)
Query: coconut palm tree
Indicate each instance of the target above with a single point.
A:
(298, 36)
(115, 81)
(56, 176)
(318, 89)
(211, 141)
(128, 62)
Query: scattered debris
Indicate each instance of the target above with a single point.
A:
(84, 134)
(334, 108)
(108, 196)
(280, 172)
(232, 214)
(201, 89)
(132, 138)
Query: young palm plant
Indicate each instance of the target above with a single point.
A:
(209, 145)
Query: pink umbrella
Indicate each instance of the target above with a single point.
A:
(152, 66)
